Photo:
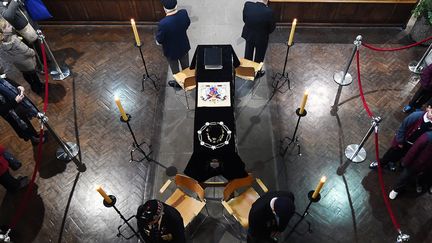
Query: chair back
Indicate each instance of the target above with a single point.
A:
(189, 83)
(185, 182)
(248, 69)
(235, 184)
(186, 79)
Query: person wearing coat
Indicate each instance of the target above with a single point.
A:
(424, 92)
(14, 51)
(412, 127)
(159, 222)
(417, 160)
(258, 25)
(172, 35)
(269, 216)
(16, 109)
(14, 12)
(9, 182)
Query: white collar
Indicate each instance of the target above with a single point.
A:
(425, 118)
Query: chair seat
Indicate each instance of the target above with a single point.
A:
(242, 204)
(188, 207)
(186, 79)
(248, 69)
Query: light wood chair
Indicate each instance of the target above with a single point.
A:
(186, 79)
(188, 206)
(239, 206)
(248, 69)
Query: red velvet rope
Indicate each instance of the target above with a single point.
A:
(383, 191)
(380, 177)
(360, 85)
(397, 48)
(24, 202)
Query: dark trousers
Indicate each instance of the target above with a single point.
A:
(174, 63)
(394, 154)
(420, 97)
(33, 79)
(251, 239)
(404, 178)
(9, 182)
(260, 49)
(25, 134)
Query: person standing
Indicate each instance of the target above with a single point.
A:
(159, 222)
(417, 160)
(412, 127)
(9, 182)
(172, 35)
(269, 216)
(14, 51)
(424, 92)
(258, 25)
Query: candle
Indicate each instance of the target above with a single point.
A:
(135, 31)
(104, 195)
(120, 107)
(303, 103)
(291, 36)
(319, 187)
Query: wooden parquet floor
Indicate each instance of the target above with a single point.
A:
(104, 63)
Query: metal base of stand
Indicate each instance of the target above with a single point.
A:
(137, 148)
(63, 156)
(294, 139)
(279, 80)
(153, 78)
(412, 67)
(351, 149)
(339, 79)
(402, 238)
(65, 72)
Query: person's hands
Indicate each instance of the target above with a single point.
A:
(19, 98)
(400, 145)
(21, 88)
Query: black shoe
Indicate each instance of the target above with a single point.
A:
(38, 89)
(174, 84)
(260, 73)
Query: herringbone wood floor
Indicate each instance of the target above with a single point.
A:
(105, 63)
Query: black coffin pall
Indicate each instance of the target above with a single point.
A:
(215, 150)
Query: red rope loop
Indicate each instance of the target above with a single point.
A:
(383, 191)
(365, 105)
(397, 48)
(25, 200)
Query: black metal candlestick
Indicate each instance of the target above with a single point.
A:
(279, 79)
(294, 139)
(112, 204)
(152, 77)
(305, 213)
(170, 171)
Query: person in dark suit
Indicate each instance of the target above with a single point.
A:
(259, 23)
(269, 216)
(172, 36)
(159, 222)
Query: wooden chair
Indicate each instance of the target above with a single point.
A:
(239, 206)
(188, 206)
(248, 69)
(186, 79)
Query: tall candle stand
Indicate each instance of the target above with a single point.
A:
(280, 79)
(294, 139)
(305, 213)
(126, 221)
(170, 171)
(146, 76)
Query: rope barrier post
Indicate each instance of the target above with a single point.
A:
(5, 237)
(417, 66)
(146, 76)
(355, 152)
(61, 73)
(67, 150)
(343, 78)
(402, 237)
(169, 171)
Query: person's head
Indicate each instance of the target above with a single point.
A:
(169, 5)
(150, 212)
(284, 209)
(429, 109)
